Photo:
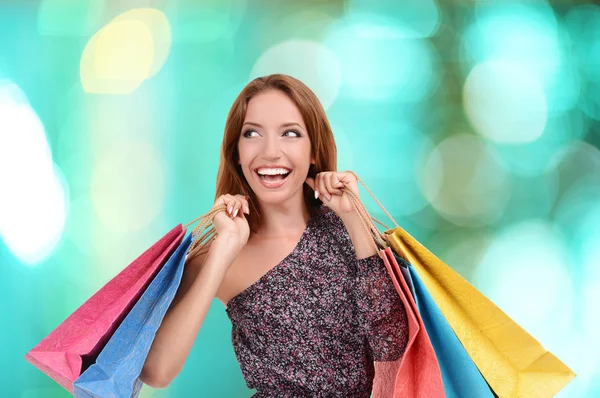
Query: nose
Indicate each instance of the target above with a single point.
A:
(271, 148)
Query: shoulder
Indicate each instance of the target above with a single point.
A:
(333, 227)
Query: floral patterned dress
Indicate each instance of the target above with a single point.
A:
(313, 324)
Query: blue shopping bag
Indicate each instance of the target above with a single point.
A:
(460, 375)
(118, 367)
(405, 269)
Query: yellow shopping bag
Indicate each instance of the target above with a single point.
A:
(513, 362)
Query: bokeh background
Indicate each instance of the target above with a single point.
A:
(476, 124)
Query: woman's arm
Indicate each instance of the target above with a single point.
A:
(361, 239)
(175, 337)
(381, 313)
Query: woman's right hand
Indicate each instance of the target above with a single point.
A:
(232, 223)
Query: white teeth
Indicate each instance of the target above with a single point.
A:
(272, 171)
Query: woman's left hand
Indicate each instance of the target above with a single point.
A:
(329, 186)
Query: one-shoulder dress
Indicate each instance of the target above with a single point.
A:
(313, 324)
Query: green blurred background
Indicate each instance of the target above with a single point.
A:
(476, 124)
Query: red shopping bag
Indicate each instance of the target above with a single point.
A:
(74, 345)
(417, 374)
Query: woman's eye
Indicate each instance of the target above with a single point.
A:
(293, 131)
(247, 132)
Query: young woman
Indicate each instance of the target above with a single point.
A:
(311, 303)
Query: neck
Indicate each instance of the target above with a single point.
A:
(282, 219)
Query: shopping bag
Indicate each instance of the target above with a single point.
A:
(512, 362)
(118, 367)
(417, 374)
(406, 274)
(74, 345)
(460, 375)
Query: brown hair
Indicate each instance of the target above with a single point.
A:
(231, 179)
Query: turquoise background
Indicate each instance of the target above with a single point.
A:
(476, 125)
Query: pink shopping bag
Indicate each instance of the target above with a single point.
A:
(417, 373)
(74, 345)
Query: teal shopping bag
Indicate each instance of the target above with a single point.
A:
(460, 375)
(118, 367)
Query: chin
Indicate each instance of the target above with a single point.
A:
(278, 195)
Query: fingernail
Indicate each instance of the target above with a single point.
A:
(235, 212)
(246, 210)
(229, 210)
(316, 194)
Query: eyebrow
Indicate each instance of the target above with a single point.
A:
(283, 125)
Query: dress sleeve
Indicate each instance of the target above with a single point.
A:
(381, 313)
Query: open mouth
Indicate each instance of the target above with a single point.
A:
(273, 180)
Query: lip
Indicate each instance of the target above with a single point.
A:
(272, 185)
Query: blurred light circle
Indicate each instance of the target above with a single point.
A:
(35, 193)
(110, 120)
(127, 51)
(78, 228)
(527, 35)
(345, 150)
(583, 24)
(308, 24)
(157, 23)
(205, 20)
(128, 185)
(398, 146)
(530, 159)
(524, 34)
(525, 272)
(69, 18)
(590, 101)
(578, 168)
(73, 150)
(382, 61)
(461, 248)
(310, 62)
(460, 176)
(591, 290)
(113, 249)
(421, 17)
(505, 103)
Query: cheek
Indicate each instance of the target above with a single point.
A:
(244, 152)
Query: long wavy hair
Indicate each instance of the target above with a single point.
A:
(231, 179)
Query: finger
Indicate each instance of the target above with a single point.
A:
(333, 183)
(350, 182)
(245, 205)
(327, 184)
(236, 207)
(321, 187)
(231, 202)
(222, 200)
(343, 179)
(318, 188)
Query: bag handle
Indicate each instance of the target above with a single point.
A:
(379, 239)
(202, 234)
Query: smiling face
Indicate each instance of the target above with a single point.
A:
(274, 134)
